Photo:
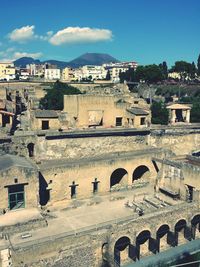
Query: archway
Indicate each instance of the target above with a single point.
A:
(162, 237)
(141, 171)
(119, 177)
(180, 232)
(30, 148)
(195, 226)
(122, 251)
(143, 243)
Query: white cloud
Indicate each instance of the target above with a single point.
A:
(17, 55)
(10, 55)
(45, 37)
(80, 35)
(23, 34)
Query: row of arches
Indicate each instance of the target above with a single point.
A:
(165, 237)
(120, 175)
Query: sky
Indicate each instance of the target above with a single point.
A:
(146, 31)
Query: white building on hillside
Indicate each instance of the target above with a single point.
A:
(52, 74)
(7, 71)
(94, 72)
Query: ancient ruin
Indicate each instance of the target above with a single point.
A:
(94, 184)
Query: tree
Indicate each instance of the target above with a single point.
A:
(149, 73)
(198, 66)
(108, 76)
(128, 75)
(54, 97)
(159, 113)
(164, 69)
(195, 111)
(192, 70)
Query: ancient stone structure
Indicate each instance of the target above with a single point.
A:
(92, 194)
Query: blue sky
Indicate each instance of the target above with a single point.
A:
(146, 31)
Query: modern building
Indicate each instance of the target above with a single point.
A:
(67, 74)
(52, 74)
(7, 71)
(92, 72)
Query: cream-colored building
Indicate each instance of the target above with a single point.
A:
(19, 186)
(67, 74)
(7, 71)
(44, 120)
(52, 74)
(104, 111)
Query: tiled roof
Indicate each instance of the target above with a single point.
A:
(137, 111)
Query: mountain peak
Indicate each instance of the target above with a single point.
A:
(85, 59)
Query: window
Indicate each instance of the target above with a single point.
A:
(95, 186)
(73, 189)
(16, 197)
(119, 121)
(142, 121)
(45, 125)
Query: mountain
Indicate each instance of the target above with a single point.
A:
(23, 61)
(85, 59)
(92, 59)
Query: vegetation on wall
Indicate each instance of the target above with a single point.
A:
(54, 97)
(159, 113)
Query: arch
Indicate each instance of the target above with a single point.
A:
(143, 236)
(30, 148)
(104, 252)
(119, 176)
(162, 231)
(122, 250)
(140, 172)
(195, 226)
(162, 237)
(180, 231)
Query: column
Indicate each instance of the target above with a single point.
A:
(173, 116)
(188, 115)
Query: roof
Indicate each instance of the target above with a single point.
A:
(178, 106)
(138, 111)
(46, 114)
(7, 161)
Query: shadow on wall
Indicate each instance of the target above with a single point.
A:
(43, 191)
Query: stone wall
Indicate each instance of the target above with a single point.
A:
(87, 147)
(179, 141)
(85, 248)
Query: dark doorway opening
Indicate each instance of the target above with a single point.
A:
(73, 189)
(44, 193)
(139, 172)
(30, 147)
(95, 185)
(45, 125)
(119, 121)
(190, 193)
(179, 115)
(16, 196)
(117, 176)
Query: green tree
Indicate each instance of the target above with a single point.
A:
(192, 70)
(128, 75)
(149, 73)
(159, 113)
(108, 77)
(198, 66)
(195, 111)
(164, 69)
(54, 97)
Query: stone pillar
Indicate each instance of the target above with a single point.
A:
(188, 116)
(1, 120)
(173, 116)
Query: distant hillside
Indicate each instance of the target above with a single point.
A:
(23, 61)
(86, 59)
(92, 59)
